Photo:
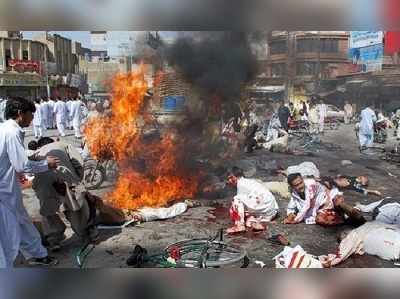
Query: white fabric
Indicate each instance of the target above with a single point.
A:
(368, 117)
(16, 229)
(368, 208)
(317, 197)
(76, 116)
(374, 238)
(37, 116)
(61, 112)
(3, 104)
(256, 197)
(68, 104)
(306, 169)
(296, 258)
(50, 115)
(152, 214)
(389, 214)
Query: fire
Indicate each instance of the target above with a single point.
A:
(151, 171)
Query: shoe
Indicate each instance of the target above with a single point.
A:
(47, 261)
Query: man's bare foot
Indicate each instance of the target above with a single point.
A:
(236, 229)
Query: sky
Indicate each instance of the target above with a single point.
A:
(114, 38)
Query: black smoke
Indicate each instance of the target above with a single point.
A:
(216, 63)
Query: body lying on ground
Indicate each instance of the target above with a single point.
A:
(253, 206)
(343, 182)
(313, 203)
(374, 238)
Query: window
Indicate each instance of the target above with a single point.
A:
(25, 55)
(278, 47)
(329, 46)
(278, 70)
(307, 45)
(306, 68)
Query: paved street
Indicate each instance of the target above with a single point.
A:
(204, 221)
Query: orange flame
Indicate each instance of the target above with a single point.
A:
(120, 137)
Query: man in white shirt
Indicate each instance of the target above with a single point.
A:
(68, 104)
(38, 121)
(76, 116)
(322, 113)
(366, 132)
(51, 119)
(313, 203)
(61, 113)
(17, 232)
(253, 206)
(348, 112)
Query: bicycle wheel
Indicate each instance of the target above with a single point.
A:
(203, 252)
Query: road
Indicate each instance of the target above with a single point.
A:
(205, 220)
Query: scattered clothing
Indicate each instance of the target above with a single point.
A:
(296, 258)
(306, 169)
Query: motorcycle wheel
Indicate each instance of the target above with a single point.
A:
(94, 175)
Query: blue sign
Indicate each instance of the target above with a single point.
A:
(371, 58)
(172, 103)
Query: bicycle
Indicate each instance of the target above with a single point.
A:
(198, 253)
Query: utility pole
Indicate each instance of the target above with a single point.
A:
(287, 67)
(318, 73)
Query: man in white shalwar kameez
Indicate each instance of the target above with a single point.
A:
(61, 113)
(44, 107)
(68, 104)
(17, 232)
(76, 116)
(38, 120)
(253, 206)
(366, 133)
(51, 119)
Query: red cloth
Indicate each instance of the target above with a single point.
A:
(392, 42)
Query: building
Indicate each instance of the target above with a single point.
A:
(62, 67)
(99, 73)
(303, 61)
(22, 64)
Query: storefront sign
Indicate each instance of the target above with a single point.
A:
(11, 80)
(22, 66)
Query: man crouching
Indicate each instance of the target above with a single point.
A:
(253, 206)
(313, 203)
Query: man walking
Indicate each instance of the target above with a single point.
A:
(51, 120)
(60, 111)
(17, 232)
(348, 112)
(366, 133)
(76, 116)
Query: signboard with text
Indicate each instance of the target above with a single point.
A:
(366, 50)
(360, 39)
